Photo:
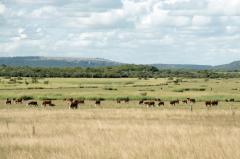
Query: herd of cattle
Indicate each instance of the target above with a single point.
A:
(74, 103)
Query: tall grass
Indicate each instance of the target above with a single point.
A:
(118, 134)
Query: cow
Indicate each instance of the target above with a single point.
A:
(141, 102)
(149, 103)
(32, 103)
(208, 103)
(226, 100)
(8, 101)
(232, 100)
(126, 100)
(74, 104)
(192, 100)
(161, 103)
(215, 103)
(46, 102)
(19, 101)
(184, 101)
(172, 103)
(211, 103)
(97, 102)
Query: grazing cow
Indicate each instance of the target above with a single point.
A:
(192, 100)
(226, 100)
(211, 103)
(149, 103)
(8, 101)
(208, 103)
(97, 102)
(19, 101)
(184, 101)
(173, 102)
(73, 104)
(32, 103)
(141, 102)
(161, 103)
(126, 100)
(46, 102)
(177, 101)
(232, 100)
(215, 103)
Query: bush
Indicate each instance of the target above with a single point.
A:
(27, 97)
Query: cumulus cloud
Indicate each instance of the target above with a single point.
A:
(138, 31)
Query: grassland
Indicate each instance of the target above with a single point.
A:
(120, 131)
(57, 88)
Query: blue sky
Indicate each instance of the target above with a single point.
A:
(134, 31)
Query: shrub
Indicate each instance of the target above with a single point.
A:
(27, 97)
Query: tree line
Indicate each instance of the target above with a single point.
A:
(122, 71)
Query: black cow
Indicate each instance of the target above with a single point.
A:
(32, 103)
(161, 103)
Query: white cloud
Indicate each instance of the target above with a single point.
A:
(45, 12)
(2, 8)
(201, 20)
(151, 31)
(224, 7)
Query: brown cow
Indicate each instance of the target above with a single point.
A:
(149, 103)
(19, 101)
(215, 103)
(8, 101)
(184, 101)
(126, 100)
(208, 103)
(46, 102)
(192, 100)
(74, 104)
(141, 102)
(97, 102)
(173, 102)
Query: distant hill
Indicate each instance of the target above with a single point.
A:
(38, 61)
(183, 66)
(35, 61)
(231, 66)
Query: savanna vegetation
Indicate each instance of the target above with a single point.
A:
(122, 71)
(113, 130)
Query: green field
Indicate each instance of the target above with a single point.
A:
(60, 88)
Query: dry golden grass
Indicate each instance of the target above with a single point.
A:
(119, 134)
